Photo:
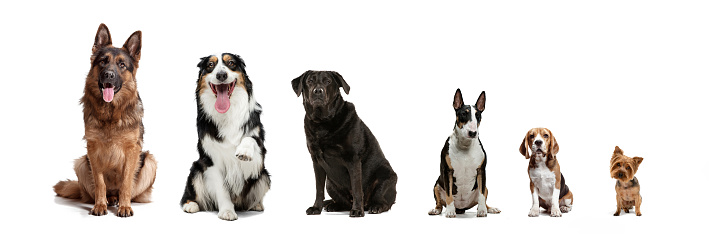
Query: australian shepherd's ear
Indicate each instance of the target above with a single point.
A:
(523, 148)
(341, 82)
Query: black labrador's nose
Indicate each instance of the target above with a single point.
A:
(318, 91)
(538, 142)
(472, 134)
(108, 75)
(221, 76)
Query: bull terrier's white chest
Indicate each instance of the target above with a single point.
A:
(465, 163)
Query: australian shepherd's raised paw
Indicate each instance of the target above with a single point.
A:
(115, 171)
(229, 174)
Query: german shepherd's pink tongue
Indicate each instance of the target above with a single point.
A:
(108, 93)
(223, 102)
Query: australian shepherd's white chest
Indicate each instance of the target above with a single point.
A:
(229, 174)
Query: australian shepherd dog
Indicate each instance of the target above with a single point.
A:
(115, 170)
(229, 174)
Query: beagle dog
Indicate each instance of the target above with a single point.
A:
(546, 182)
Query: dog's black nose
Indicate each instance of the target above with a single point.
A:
(221, 76)
(620, 175)
(472, 134)
(318, 91)
(538, 142)
(108, 75)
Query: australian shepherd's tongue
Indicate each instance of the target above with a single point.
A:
(107, 92)
(223, 103)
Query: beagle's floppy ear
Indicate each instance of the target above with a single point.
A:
(523, 148)
(480, 104)
(457, 100)
(102, 39)
(553, 145)
(341, 82)
(297, 83)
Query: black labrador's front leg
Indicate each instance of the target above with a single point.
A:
(319, 188)
(356, 185)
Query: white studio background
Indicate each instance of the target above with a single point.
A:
(597, 73)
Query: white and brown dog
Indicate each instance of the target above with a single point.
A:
(546, 182)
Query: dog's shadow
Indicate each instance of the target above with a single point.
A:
(75, 203)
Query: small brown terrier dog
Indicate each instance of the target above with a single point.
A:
(627, 188)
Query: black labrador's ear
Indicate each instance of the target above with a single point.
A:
(341, 82)
(102, 39)
(133, 45)
(457, 100)
(297, 83)
(480, 105)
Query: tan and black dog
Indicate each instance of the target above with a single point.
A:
(627, 187)
(115, 171)
(546, 182)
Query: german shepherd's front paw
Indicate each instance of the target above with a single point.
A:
(125, 212)
(99, 209)
(357, 213)
(313, 211)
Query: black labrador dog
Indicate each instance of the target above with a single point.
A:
(345, 154)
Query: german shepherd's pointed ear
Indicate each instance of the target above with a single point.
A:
(457, 99)
(341, 82)
(297, 83)
(480, 105)
(523, 147)
(133, 45)
(102, 39)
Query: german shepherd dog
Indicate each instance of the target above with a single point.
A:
(115, 171)
(230, 174)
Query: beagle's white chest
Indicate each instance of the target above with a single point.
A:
(544, 180)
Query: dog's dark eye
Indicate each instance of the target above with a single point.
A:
(546, 136)
(531, 136)
(327, 81)
(231, 63)
(628, 167)
(210, 64)
(122, 65)
(617, 164)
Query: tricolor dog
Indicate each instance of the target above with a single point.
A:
(229, 174)
(461, 184)
(546, 182)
